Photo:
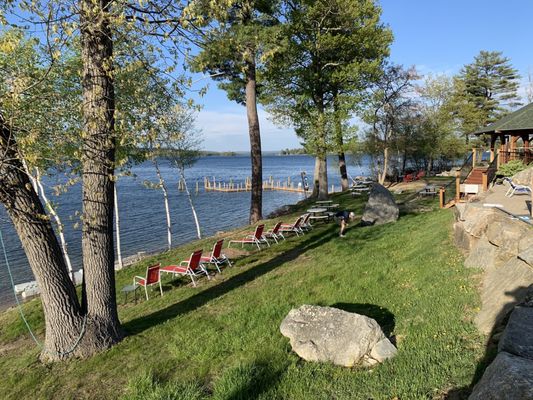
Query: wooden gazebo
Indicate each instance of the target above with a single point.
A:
(515, 132)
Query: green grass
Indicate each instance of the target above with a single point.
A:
(221, 340)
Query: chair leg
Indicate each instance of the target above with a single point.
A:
(160, 287)
(192, 279)
(146, 291)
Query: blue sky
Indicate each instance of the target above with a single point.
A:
(435, 36)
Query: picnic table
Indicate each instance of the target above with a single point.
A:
(319, 214)
(429, 190)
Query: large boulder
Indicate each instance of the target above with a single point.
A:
(518, 336)
(462, 238)
(503, 288)
(508, 377)
(507, 234)
(485, 255)
(524, 177)
(381, 207)
(328, 334)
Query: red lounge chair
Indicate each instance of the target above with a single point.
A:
(191, 267)
(408, 178)
(294, 228)
(216, 256)
(274, 233)
(152, 277)
(420, 174)
(256, 238)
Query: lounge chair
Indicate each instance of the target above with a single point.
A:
(256, 238)
(306, 222)
(191, 267)
(515, 188)
(216, 257)
(152, 277)
(294, 228)
(274, 233)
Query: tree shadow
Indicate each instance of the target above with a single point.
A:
(520, 294)
(249, 380)
(383, 316)
(185, 306)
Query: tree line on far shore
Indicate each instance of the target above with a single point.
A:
(91, 87)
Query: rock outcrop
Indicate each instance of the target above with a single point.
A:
(328, 334)
(503, 247)
(380, 207)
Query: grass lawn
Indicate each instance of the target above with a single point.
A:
(221, 340)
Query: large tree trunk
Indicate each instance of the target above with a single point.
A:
(323, 178)
(316, 181)
(322, 154)
(62, 314)
(98, 156)
(340, 147)
(256, 206)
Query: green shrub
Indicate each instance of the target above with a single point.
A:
(511, 168)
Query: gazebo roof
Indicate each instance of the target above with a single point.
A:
(520, 120)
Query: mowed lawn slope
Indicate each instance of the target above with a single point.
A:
(221, 339)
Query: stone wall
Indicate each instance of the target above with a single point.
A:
(503, 247)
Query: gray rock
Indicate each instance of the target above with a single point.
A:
(526, 241)
(507, 233)
(524, 177)
(462, 238)
(527, 256)
(383, 350)
(328, 334)
(517, 338)
(486, 255)
(459, 210)
(478, 218)
(502, 289)
(381, 207)
(508, 377)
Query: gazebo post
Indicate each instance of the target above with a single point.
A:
(492, 144)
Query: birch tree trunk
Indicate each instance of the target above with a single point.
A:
(385, 165)
(62, 314)
(98, 157)
(50, 208)
(163, 187)
(195, 216)
(117, 228)
(322, 157)
(256, 206)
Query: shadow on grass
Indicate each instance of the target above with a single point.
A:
(139, 325)
(491, 349)
(248, 381)
(383, 316)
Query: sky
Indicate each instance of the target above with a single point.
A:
(437, 37)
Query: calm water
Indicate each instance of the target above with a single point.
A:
(142, 211)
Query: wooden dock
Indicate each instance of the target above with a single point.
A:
(212, 185)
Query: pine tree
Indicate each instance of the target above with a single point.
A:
(490, 84)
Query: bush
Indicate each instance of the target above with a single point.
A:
(511, 168)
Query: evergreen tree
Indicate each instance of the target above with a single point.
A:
(489, 85)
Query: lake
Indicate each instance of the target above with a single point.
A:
(142, 210)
